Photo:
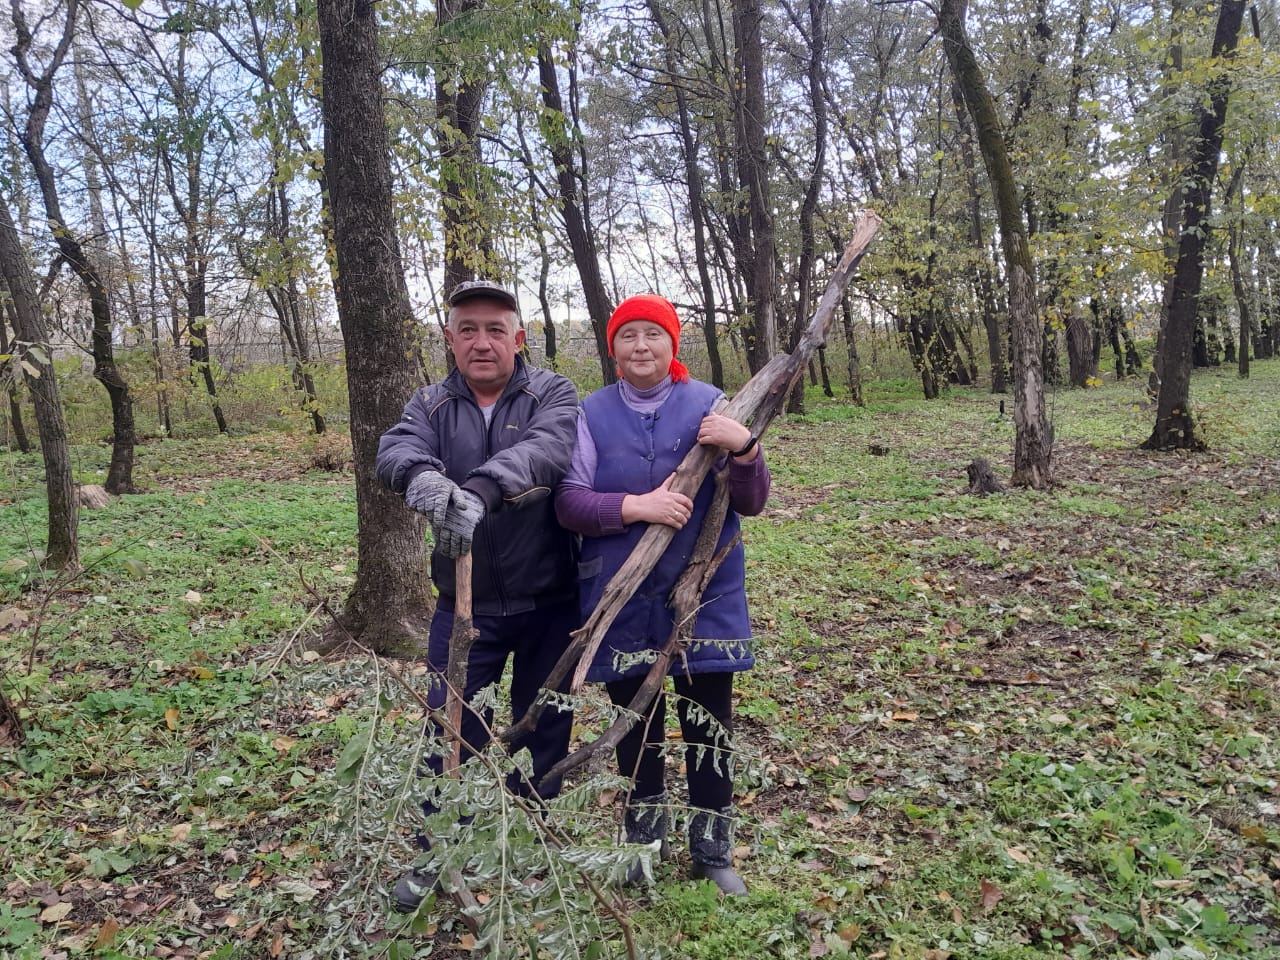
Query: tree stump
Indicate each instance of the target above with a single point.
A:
(982, 480)
(92, 496)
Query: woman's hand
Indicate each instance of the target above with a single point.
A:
(725, 432)
(660, 505)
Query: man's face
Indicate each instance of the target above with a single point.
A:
(484, 338)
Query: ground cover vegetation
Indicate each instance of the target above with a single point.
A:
(1032, 724)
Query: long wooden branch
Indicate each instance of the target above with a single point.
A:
(756, 404)
(686, 597)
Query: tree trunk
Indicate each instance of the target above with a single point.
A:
(1175, 425)
(1242, 300)
(458, 99)
(388, 607)
(7, 371)
(561, 132)
(855, 375)
(697, 212)
(124, 437)
(63, 549)
(757, 269)
(1033, 446)
(1080, 349)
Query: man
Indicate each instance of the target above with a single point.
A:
(479, 455)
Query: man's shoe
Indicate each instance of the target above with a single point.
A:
(412, 888)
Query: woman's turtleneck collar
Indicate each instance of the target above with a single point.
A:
(648, 398)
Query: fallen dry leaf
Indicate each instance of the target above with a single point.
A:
(1018, 854)
(57, 913)
(991, 895)
(106, 933)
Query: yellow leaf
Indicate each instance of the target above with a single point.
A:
(1017, 853)
(180, 831)
(225, 891)
(55, 913)
(905, 716)
(283, 743)
(191, 597)
(171, 718)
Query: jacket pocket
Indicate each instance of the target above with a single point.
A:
(590, 569)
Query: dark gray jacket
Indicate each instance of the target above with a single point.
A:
(522, 558)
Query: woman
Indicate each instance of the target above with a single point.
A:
(631, 437)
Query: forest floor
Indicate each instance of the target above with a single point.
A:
(1031, 724)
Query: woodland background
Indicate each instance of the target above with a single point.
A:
(1036, 723)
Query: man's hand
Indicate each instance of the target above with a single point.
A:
(465, 511)
(429, 494)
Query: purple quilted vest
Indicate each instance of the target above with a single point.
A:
(635, 452)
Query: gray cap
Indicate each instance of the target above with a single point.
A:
(477, 289)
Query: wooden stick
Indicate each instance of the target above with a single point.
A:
(461, 639)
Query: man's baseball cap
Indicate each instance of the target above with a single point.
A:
(477, 289)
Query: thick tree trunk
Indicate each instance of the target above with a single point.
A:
(1080, 341)
(63, 550)
(757, 268)
(1175, 425)
(1033, 445)
(561, 132)
(388, 607)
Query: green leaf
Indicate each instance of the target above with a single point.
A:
(352, 756)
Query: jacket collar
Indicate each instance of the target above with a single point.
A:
(457, 385)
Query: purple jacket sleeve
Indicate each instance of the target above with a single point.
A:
(749, 485)
(584, 510)
(579, 507)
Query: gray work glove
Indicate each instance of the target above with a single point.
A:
(465, 511)
(429, 494)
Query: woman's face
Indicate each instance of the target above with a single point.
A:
(643, 351)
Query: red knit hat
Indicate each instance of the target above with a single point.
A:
(655, 309)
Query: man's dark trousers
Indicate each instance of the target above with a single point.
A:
(535, 640)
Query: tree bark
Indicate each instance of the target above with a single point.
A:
(1175, 426)
(697, 212)
(18, 430)
(124, 435)
(458, 99)
(388, 606)
(561, 132)
(756, 253)
(63, 550)
(1033, 447)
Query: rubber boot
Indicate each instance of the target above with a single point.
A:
(711, 849)
(645, 821)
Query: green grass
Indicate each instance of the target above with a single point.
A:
(1036, 724)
